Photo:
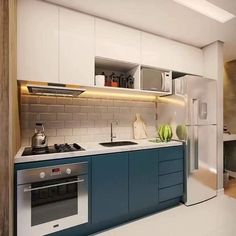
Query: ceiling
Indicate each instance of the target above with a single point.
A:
(165, 18)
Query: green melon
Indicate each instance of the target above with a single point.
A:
(165, 133)
(181, 132)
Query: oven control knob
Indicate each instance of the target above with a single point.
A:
(68, 171)
(42, 175)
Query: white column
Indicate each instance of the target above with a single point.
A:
(213, 67)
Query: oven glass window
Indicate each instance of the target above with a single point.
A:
(52, 203)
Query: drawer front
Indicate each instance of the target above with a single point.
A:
(171, 192)
(172, 153)
(168, 167)
(170, 179)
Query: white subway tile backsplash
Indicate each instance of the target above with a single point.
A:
(72, 108)
(100, 123)
(56, 108)
(120, 103)
(51, 132)
(64, 116)
(25, 142)
(93, 102)
(94, 116)
(88, 109)
(80, 116)
(72, 124)
(100, 109)
(38, 108)
(54, 124)
(112, 109)
(64, 132)
(24, 107)
(124, 110)
(73, 139)
(87, 123)
(47, 100)
(107, 116)
(64, 101)
(129, 117)
(29, 116)
(29, 99)
(56, 139)
(107, 102)
(95, 130)
(80, 101)
(83, 119)
(80, 131)
(47, 116)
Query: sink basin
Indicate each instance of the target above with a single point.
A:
(117, 143)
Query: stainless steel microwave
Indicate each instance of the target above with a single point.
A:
(156, 80)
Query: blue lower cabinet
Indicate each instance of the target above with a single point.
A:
(143, 180)
(128, 185)
(109, 187)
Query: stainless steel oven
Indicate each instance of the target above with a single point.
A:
(52, 198)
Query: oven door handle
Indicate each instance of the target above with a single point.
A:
(29, 189)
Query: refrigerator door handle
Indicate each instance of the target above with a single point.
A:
(195, 133)
(193, 149)
(195, 110)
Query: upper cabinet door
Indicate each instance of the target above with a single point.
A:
(76, 47)
(117, 42)
(168, 54)
(37, 41)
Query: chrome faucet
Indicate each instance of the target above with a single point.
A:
(112, 135)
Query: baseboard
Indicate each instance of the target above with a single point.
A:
(220, 192)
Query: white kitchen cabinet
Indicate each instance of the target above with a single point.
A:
(212, 66)
(76, 48)
(117, 42)
(168, 54)
(37, 41)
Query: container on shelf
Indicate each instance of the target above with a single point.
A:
(100, 80)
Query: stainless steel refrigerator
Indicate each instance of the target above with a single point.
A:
(193, 106)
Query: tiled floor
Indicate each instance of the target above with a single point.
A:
(216, 217)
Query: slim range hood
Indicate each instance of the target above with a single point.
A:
(54, 89)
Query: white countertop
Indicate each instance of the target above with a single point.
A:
(229, 137)
(93, 148)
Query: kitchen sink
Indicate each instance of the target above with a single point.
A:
(117, 143)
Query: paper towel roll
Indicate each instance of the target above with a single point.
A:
(100, 80)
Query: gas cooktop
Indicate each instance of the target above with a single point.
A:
(56, 148)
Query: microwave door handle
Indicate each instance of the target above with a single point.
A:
(29, 189)
(163, 82)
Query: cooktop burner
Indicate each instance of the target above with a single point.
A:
(56, 148)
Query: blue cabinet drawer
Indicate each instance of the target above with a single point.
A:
(168, 167)
(171, 192)
(170, 179)
(171, 153)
